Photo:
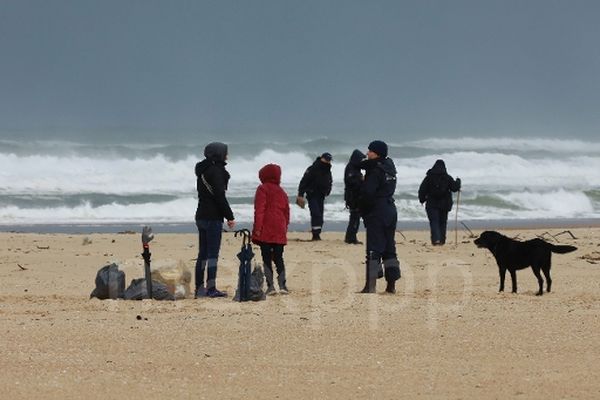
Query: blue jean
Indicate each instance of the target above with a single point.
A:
(209, 243)
(438, 221)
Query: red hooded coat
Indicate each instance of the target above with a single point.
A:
(271, 208)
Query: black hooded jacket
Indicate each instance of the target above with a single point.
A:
(316, 180)
(437, 186)
(377, 190)
(353, 178)
(211, 184)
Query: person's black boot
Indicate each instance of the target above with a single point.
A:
(392, 274)
(391, 287)
(269, 278)
(372, 271)
(316, 234)
(282, 283)
(351, 240)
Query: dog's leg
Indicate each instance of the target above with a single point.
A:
(536, 271)
(513, 277)
(546, 271)
(502, 272)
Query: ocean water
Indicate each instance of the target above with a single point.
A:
(65, 182)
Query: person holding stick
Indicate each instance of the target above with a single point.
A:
(436, 192)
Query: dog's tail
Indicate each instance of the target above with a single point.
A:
(562, 249)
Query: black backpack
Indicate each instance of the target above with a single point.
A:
(439, 186)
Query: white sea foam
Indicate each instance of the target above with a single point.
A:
(496, 184)
(52, 174)
(510, 144)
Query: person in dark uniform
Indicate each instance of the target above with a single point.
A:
(316, 183)
(213, 207)
(353, 178)
(379, 213)
(435, 192)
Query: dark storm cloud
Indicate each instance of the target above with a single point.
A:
(312, 67)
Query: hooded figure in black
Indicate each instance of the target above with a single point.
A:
(353, 178)
(379, 213)
(213, 207)
(435, 191)
(316, 183)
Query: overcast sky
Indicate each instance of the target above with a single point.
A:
(322, 67)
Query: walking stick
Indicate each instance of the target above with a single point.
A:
(456, 218)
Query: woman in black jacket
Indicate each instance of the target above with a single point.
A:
(379, 213)
(213, 207)
(435, 191)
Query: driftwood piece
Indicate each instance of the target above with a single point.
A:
(543, 236)
(563, 232)
(471, 234)
(555, 236)
(402, 234)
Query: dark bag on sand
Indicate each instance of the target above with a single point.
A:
(110, 283)
(255, 287)
(137, 291)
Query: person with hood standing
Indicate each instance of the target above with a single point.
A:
(353, 178)
(435, 191)
(211, 183)
(379, 213)
(316, 183)
(271, 220)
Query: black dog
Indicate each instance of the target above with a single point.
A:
(513, 255)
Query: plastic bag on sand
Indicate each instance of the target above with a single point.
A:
(137, 290)
(256, 292)
(177, 278)
(110, 283)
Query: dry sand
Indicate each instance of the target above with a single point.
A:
(447, 333)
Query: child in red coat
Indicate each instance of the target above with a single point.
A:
(271, 220)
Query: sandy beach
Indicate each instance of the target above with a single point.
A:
(447, 333)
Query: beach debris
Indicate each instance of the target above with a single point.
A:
(86, 241)
(592, 258)
(137, 291)
(110, 283)
(22, 267)
(401, 234)
(542, 236)
(471, 234)
(176, 277)
(563, 232)
(43, 247)
(126, 232)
